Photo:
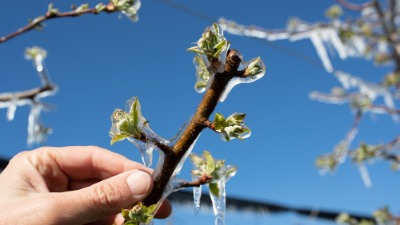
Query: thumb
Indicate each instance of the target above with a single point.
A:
(107, 197)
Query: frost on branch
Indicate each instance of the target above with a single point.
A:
(346, 36)
(203, 76)
(132, 125)
(254, 70)
(363, 98)
(37, 132)
(217, 174)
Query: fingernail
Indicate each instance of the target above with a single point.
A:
(139, 182)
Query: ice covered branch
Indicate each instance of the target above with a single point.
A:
(128, 7)
(196, 125)
(36, 131)
(352, 6)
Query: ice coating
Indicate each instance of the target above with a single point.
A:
(364, 175)
(203, 76)
(146, 151)
(187, 153)
(12, 107)
(242, 80)
(369, 89)
(37, 133)
(196, 197)
(219, 203)
(323, 36)
(321, 51)
(132, 11)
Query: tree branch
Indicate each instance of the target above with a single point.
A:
(29, 94)
(195, 126)
(354, 7)
(201, 181)
(388, 33)
(40, 19)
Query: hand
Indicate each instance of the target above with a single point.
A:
(72, 185)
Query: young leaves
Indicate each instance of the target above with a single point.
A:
(202, 74)
(207, 166)
(255, 67)
(129, 8)
(125, 125)
(139, 214)
(232, 127)
(212, 43)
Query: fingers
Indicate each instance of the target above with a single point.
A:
(87, 162)
(107, 197)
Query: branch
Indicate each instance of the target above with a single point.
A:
(388, 33)
(195, 126)
(49, 15)
(354, 7)
(29, 94)
(201, 181)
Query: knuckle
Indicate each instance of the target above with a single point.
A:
(107, 195)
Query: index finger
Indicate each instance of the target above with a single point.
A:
(87, 162)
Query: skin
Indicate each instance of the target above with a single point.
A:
(72, 185)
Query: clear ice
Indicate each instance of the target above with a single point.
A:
(364, 175)
(187, 153)
(132, 11)
(196, 197)
(37, 133)
(219, 203)
(241, 80)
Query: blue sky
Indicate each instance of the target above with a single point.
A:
(101, 61)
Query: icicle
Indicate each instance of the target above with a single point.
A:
(219, 203)
(242, 80)
(333, 38)
(321, 51)
(187, 153)
(364, 175)
(196, 197)
(37, 133)
(146, 151)
(12, 107)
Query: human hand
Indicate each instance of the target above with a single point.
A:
(72, 185)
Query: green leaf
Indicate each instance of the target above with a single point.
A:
(152, 208)
(125, 213)
(118, 137)
(135, 111)
(200, 84)
(219, 164)
(218, 48)
(196, 50)
(230, 172)
(210, 164)
(219, 122)
(214, 189)
(196, 160)
(100, 7)
(216, 28)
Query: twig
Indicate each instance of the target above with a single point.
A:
(195, 126)
(29, 94)
(36, 22)
(201, 181)
(354, 7)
